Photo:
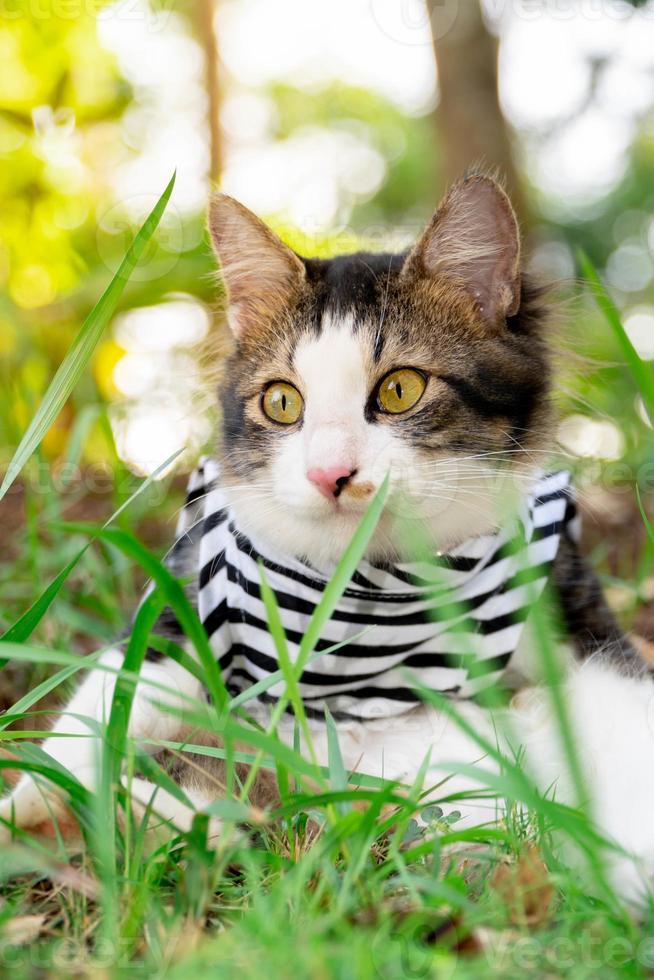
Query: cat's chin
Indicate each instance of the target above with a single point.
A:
(321, 534)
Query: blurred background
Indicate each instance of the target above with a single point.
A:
(339, 123)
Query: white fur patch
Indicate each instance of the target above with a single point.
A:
(613, 721)
(74, 743)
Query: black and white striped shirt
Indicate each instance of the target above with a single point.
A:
(455, 622)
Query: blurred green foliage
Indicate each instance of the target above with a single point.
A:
(60, 139)
(63, 106)
(407, 143)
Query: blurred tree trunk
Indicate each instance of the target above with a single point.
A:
(204, 17)
(472, 127)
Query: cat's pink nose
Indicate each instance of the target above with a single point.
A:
(330, 481)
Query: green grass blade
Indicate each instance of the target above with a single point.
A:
(276, 629)
(77, 358)
(175, 597)
(172, 650)
(79, 433)
(649, 527)
(113, 753)
(49, 684)
(28, 758)
(26, 653)
(554, 678)
(641, 371)
(125, 689)
(153, 772)
(337, 774)
(231, 731)
(267, 682)
(23, 653)
(23, 628)
(342, 575)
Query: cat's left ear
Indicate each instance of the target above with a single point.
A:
(260, 273)
(473, 239)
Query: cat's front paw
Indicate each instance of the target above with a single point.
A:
(31, 807)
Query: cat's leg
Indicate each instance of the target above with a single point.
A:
(612, 716)
(167, 813)
(74, 742)
(396, 748)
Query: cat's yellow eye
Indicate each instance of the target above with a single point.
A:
(400, 390)
(282, 403)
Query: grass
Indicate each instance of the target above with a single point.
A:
(345, 876)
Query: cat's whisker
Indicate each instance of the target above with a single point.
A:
(467, 476)
(499, 452)
(436, 491)
(471, 462)
(486, 473)
(433, 492)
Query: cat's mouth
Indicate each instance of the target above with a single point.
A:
(348, 504)
(350, 501)
(363, 490)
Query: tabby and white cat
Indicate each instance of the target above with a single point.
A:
(433, 368)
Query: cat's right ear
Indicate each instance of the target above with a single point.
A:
(260, 273)
(473, 241)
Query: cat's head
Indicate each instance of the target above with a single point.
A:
(428, 366)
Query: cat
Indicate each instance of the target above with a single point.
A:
(430, 368)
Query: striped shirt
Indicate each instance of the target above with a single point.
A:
(454, 622)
